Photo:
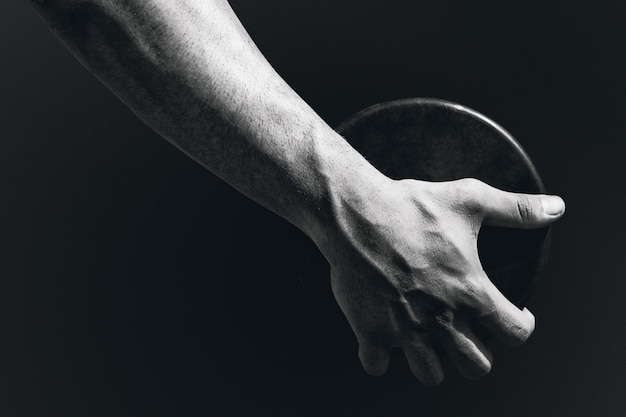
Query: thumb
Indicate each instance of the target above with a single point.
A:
(525, 211)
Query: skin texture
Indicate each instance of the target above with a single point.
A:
(403, 254)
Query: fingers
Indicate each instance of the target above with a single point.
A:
(374, 357)
(422, 359)
(503, 319)
(506, 209)
(466, 350)
(471, 356)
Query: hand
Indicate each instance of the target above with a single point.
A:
(406, 273)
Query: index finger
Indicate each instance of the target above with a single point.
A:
(503, 319)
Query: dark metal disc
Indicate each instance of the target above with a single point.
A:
(435, 140)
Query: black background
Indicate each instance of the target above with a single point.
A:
(134, 283)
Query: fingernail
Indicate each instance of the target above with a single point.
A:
(553, 205)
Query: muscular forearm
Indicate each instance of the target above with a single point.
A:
(191, 72)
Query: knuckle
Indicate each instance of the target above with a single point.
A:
(443, 321)
(517, 333)
(525, 208)
(520, 333)
(469, 183)
(471, 186)
(473, 292)
(472, 192)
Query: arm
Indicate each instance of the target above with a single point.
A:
(404, 264)
(189, 70)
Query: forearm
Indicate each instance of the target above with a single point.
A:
(191, 72)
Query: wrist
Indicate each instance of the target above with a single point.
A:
(345, 179)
